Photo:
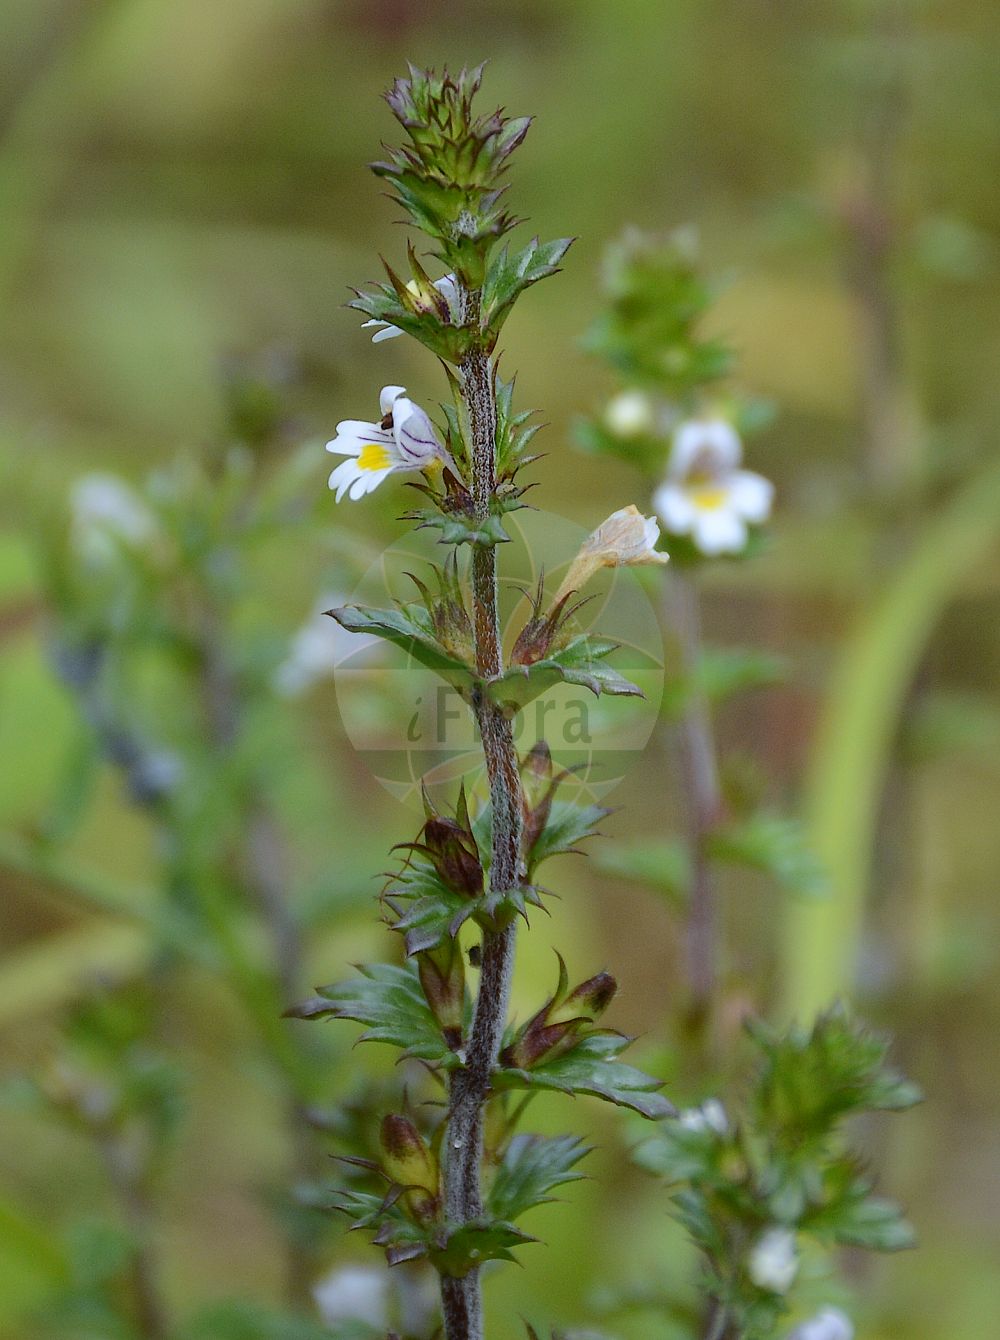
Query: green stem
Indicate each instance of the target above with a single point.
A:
(704, 801)
(150, 1313)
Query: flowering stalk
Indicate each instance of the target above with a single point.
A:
(699, 759)
(709, 506)
(749, 1188)
(467, 867)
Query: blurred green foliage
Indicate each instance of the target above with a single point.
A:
(183, 207)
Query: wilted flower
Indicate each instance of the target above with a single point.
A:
(629, 413)
(404, 439)
(706, 495)
(774, 1261)
(108, 511)
(828, 1324)
(446, 286)
(354, 1293)
(625, 539)
(710, 1116)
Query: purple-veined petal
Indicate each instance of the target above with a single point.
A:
(353, 434)
(711, 445)
(414, 433)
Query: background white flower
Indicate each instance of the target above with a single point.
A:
(354, 1293)
(774, 1262)
(706, 495)
(317, 647)
(446, 286)
(710, 1116)
(108, 512)
(629, 413)
(828, 1324)
(404, 440)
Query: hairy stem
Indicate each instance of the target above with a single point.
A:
(461, 1298)
(704, 800)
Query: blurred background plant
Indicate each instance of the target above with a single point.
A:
(179, 189)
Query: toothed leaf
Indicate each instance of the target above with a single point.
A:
(409, 628)
(510, 272)
(592, 1067)
(390, 1002)
(532, 1166)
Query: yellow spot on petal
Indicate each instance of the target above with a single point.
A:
(708, 498)
(374, 456)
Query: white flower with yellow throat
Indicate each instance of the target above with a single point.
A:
(706, 495)
(404, 439)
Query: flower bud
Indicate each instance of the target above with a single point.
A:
(408, 1161)
(629, 414)
(559, 1023)
(442, 977)
(453, 629)
(447, 610)
(543, 633)
(589, 1000)
(450, 846)
(454, 855)
(537, 791)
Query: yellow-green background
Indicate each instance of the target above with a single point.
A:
(183, 180)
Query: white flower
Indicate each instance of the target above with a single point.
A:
(404, 440)
(774, 1262)
(828, 1324)
(706, 495)
(107, 511)
(354, 1293)
(446, 286)
(317, 648)
(310, 658)
(629, 413)
(711, 1116)
(625, 539)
